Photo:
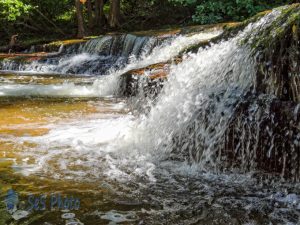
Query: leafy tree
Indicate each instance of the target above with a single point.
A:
(62, 18)
(11, 10)
(213, 11)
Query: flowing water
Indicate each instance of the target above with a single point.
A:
(71, 135)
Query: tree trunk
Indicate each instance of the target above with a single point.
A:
(80, 20)
(114, 13)
(90, 15)
(99, 14)
(49, 21)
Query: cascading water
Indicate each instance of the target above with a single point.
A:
(107, 85)
(157, 160)
(96, 56)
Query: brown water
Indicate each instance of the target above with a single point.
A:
(35, 116)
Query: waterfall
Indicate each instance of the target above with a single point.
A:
(199, 101)
(119, 45)
(96, 56)
(200, 95)
(188, 122)
(199, 104)
(83, 59)
(211, 114)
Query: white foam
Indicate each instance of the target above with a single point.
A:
(66, 89)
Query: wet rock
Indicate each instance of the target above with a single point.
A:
(150, 78)
(278, 56)
(265, 136)
(264, 131)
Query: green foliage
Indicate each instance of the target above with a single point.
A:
(54, 9)
(218, 10)
(214, 11)
(184, 2)
(35, 18)
(151, 14)
(11, 10)
(38, 18)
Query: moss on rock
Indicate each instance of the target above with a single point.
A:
(278, 57)
(272, 135)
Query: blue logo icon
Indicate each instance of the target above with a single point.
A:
(11, 200)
